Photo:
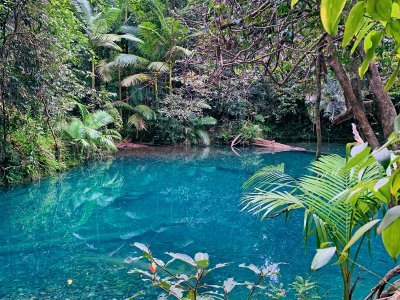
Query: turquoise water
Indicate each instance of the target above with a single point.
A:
(80, 225)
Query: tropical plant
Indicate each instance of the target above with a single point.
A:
(90, 134)
(186, 277)
(333, 207)
(97, 28)
(142, 113)
(196, 129)
(341, 199)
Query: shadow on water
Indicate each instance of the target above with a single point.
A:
(80, 225)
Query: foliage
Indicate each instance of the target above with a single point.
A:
(89, 135)
(186, 277)
(341, 198)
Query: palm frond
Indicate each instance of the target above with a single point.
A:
(100, 119)
(146, 112)
(203, 135)
(158, 66)
(135, 79)
(207, 121)
(84, 9)
(137, 121)
(105, 70)
(124, 60)
(122, 105)
(131, 38)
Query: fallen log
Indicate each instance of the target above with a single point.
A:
(274, 146)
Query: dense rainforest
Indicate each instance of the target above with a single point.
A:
(77, 76)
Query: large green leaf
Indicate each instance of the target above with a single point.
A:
(397, 126)
(380, 9)
(396, 10)
(293, 3)
(372, 41)
(392, 79)
(391, 239)
(322, 257)
(359, 233)
(354, 22)
(330, 14)
(365, 29)
(391, 216)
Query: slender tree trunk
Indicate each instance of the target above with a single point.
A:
(358, 109)
(170, 77)
(93, 76)
(317, 111)
(387, 111)
(119, 84)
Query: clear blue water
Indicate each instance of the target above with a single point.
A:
(80, 225)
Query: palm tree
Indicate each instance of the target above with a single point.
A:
(336, 199)
(90, 132)
(196, 128)
(142, 114)
(97, 28)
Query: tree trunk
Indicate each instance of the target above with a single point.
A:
(119, 84)
(93, 76)
(358, 109)
(317, 111)
(387, 111)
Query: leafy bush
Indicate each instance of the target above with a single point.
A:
(193, 280)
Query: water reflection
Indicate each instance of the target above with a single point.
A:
(80, 225)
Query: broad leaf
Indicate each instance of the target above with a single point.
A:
(322, 257)
(391, 239)
(392, 79)
(182, 257)
(380, 9)
(354, 22)
(293, 3)
(359, 233)
(391, 215)
(397, 126)
(372, 41)
(202, 260)
(330, 14)
(383, 157)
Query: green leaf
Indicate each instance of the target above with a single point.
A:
(380, 9)
(393, 77)
(381, 190)
(202, 260)
(393, 30)
(383, 157)
(293, 3)
(361, 35)
(322, 257)
(397, 126)
(391, 239)
(372, 41)
(396, 10)
(391, 215)
(330, 14)
(354, 22)
(359, 233)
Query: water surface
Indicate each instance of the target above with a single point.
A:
(80, 225)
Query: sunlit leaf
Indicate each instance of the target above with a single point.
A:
(354, 22)
(330, 14)
(359, 233)
(322, 257)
